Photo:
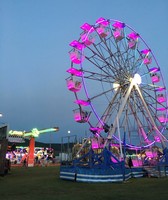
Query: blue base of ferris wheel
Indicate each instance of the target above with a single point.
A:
(164, 159)
(100, 168)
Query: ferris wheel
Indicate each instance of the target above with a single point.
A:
(118, 85)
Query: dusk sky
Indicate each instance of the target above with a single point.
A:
(34, 46)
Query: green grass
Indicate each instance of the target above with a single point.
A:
(43, 183)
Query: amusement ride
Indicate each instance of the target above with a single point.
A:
(31, 135)
(120, 93)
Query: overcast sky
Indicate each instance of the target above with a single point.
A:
(34, 45)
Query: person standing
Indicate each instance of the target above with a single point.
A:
(25, 161)
(130, 164)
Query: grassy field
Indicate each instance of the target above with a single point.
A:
(43, 183)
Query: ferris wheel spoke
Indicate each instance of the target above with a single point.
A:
(119, 56)
(140, 127)
(132, 62)
(99, 63)
(97, 76)
(151, 110)
(149, 87)
(148, 97)
(142, 109)
(114, 59)
(107, 113)
(105, 52)
(98, 95)
(111, 44)
(102, 58)
(139, 108)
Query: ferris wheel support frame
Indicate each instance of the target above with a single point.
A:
(112, 131)
(141, 129)
(108, 109)
(115, 124)
(151, 118)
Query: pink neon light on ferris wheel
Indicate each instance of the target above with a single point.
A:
(102, 21)
(161, 98)
(146, 51)
(76, 44)
(75, 72)
(87, 27)
(119, 25)
(161, 109)
(160, 89)
(82, 102)
(154, 69)
(133, 36)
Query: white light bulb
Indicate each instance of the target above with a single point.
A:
(116, 86)
(137, 79)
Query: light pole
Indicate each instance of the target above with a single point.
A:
(68, 144)
(50, 141)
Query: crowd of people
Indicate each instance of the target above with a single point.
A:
(42, 156)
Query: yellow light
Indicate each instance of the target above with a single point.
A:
(17, 133)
